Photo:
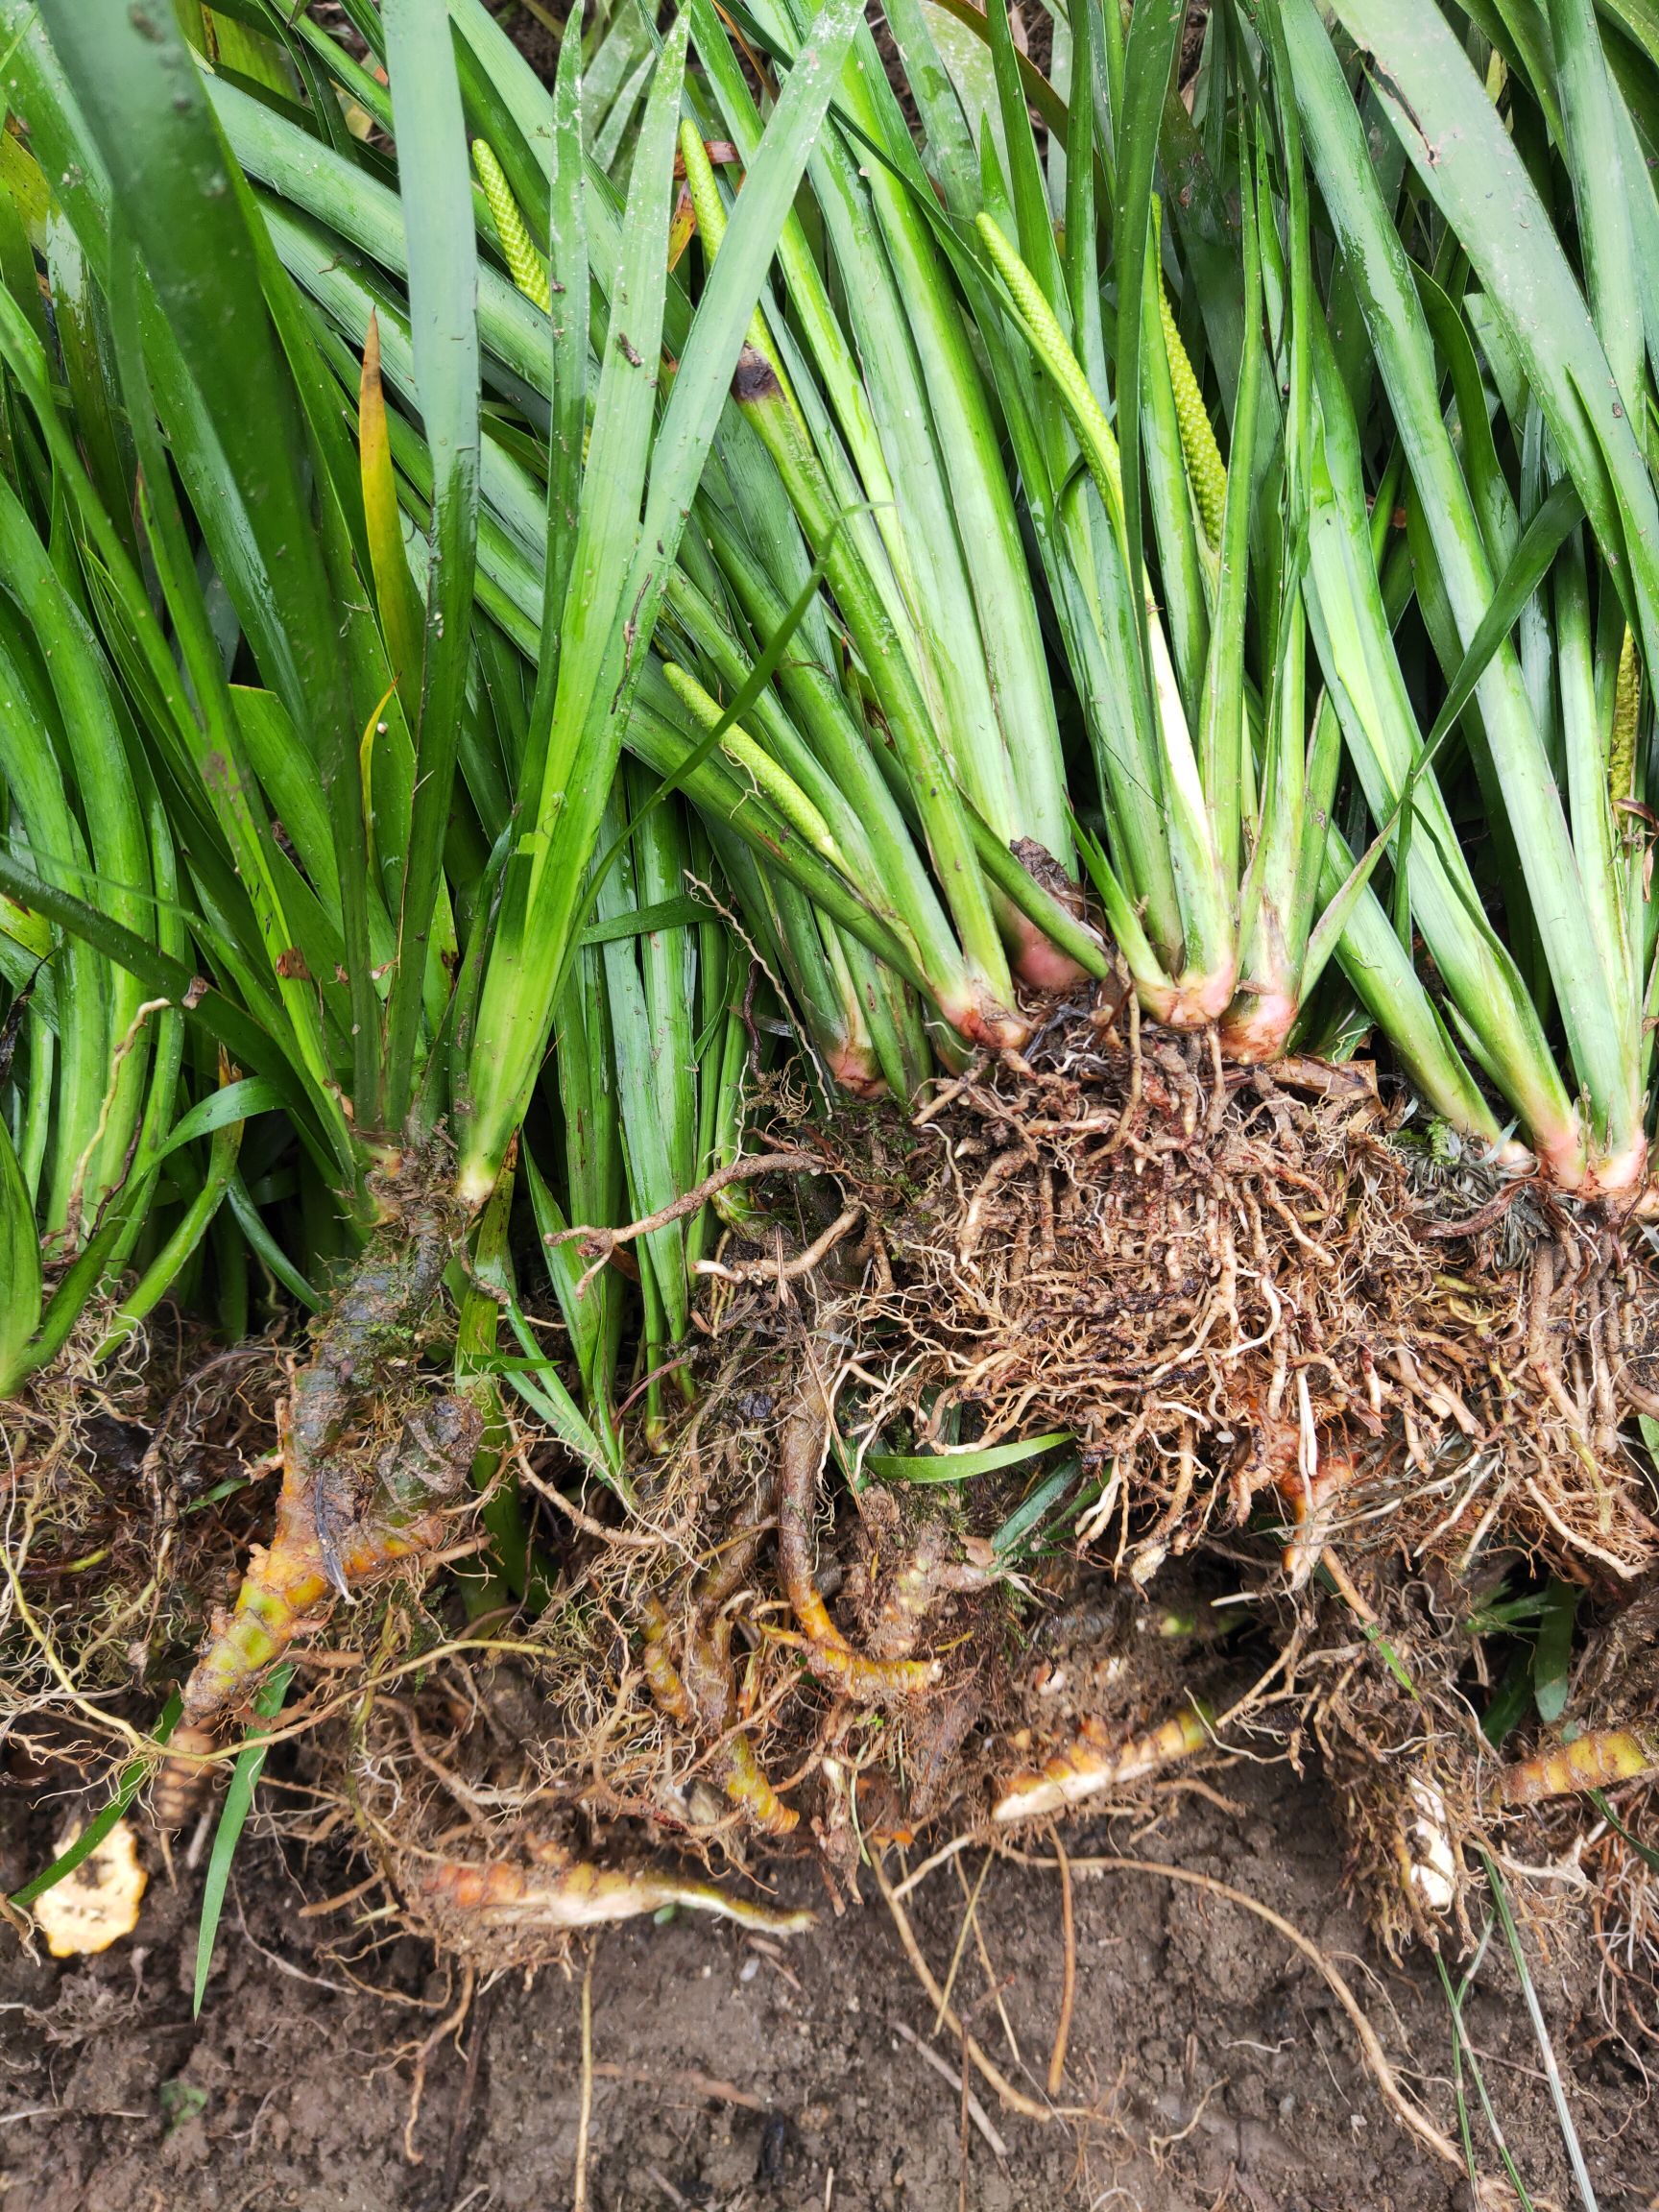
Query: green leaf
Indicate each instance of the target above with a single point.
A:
(158, 1276)
(1604, 1034)
(401, 616)
(958, 1466)
(567, 269)
(649, 984)
(234, 1103)
(1154, 37)
(172, 197)
(1552, 1654)
(1390, 1658)
(641, 921)
(1022, 1526)
(593, 1182)
(162, 975)
(117, 843)
(1645, 1852)
(243, 457)
(539, 1383)
(1540, 2032)
(265, 1248)
(1542, 538)
(233, 1815)
(573, 759)
(130, 1781)
(1530, 563)
(1468, 166)
(434, 178)
(19, 1264)
(1463, 2053)
(619, 571)
(1510, 1701)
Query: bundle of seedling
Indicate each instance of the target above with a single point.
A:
(798, 853)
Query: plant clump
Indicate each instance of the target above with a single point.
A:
(875, 733)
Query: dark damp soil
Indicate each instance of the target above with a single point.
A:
(1219, 2074)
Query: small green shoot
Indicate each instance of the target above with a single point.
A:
(1645, 1852)
(1511, 1700)
(232, 1820)
(181, 2101)
(1541, 2030)
(1021, 1532)
(1463, 2053)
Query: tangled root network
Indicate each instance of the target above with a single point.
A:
(1223, 1287)
(1265, 1322)
(1256, 1304)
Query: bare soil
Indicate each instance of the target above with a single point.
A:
(1216, 2070)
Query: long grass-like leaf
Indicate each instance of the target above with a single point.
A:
(139, 91)
(245, 1773)
(1541, 2033)
(434, 180)
(1603, 1034)
(619, 570)
(19, 1265)
(1468, 165)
